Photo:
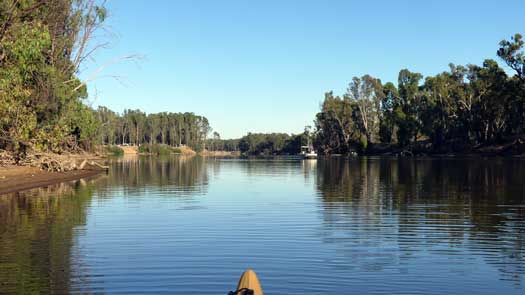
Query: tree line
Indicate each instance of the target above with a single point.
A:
(261, 144)
(272, 143)
(217, 144)
(458, 109)
(135, 127)
(43, 45)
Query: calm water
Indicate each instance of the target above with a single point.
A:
(192, 225)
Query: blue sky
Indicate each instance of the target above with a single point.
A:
(264, 66)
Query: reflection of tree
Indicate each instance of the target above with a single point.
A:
(415, 205)
(176, 175)
(37, 250)
(271, 167)
(36, 237)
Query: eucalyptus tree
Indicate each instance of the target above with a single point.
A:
(512, 52)
(135, 120)
(108, 125)
(366, 95)
(268, 143)
(173, 129)
(43, 44)
(407, 115)
(203, 129)
(336, 131)
(466, 105)
(163, 126)
(215, 140)
(438, 112)
(389, 107)
(513, 55)
(489, 83)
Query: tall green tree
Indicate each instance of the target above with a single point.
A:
(43, 44)
(511, 51)
(390, 105)
(464, 106)
(336, 130)
(366, 94)
(407, 115)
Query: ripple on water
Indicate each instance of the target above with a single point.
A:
(373, 226)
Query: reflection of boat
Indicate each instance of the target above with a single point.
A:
(308, 152)
(248, 284)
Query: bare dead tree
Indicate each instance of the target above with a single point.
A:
(91, 15)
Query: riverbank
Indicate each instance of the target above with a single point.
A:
(18, 178)
(165, 150)
(152, 149)
(207, 153)
(43, 169)
(15, 178)
(508, 147)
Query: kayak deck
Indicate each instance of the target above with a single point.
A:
(248, 284)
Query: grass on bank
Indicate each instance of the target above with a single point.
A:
(158, 149)
(114, 150)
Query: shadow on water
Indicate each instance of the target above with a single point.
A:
(38, 227)
(409, 208)
(37, 236)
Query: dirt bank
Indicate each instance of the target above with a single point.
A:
(513, 146)
(219, 154)
(129, 150)
(185, 150)
(18, 178)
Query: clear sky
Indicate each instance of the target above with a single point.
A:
(264, 66)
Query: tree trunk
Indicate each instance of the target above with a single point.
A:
(137, 136)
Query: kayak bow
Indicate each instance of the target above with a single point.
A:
(248, 284)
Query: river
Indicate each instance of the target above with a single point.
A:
(192, 225)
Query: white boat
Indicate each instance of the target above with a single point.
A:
(308, 152)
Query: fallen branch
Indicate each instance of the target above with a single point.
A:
(50, 162)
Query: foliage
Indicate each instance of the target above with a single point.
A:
(466, 105)
(42, 107)
(271, 144)
(136, 128)
(336, 129)
(158, 149)
(114, 150)
(366, 95)
(229, 145)
(511, 52)
(217, 144)
(41, 98)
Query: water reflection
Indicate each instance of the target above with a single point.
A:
(406, 209)
(37, 235)
(174, 176)
(39, 227)
(372, 225)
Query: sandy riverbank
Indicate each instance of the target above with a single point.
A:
(15, 178)
(18, 178)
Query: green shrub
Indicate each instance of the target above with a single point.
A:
(198, 147)
(143, 149)
(363, 144)
(114, 150)
(157, 149)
